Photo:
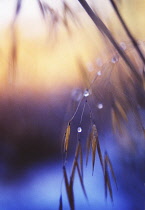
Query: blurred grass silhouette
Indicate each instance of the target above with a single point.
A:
(105, 69)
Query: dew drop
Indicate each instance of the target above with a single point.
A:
(86, 93)
(123, 46)
(99, 62)
(79, 129)
(115, 59)
(90, 67)
(77, 94)
(99, 73)
(100, 106)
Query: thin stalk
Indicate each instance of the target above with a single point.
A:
(102, 27)
(127, 31)
(76, 110)
(83, 112)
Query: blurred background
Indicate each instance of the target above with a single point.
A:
(43, 46)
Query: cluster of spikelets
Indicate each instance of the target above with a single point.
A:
(77, 165)
(119, 93)
(121, 80)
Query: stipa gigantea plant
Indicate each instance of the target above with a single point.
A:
(121, 102)
(92, 145)
(121, 99)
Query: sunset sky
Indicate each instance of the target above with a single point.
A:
(48, 60)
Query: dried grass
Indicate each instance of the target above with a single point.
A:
(120, 97)
(108, 186)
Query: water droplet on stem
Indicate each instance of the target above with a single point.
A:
(79, 129)
(86, 93)
(100, 106)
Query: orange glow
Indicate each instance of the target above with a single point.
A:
(48, 63)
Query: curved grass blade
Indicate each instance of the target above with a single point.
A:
(60, 203)
(71, 195)
(109, 187)
(41, 8)
(67, 11)
(111, 169)
(107, 178)
(18, 8)
(100, 153)
(115, 121)
(81, 180)
(69, 189)
(121, 110)
(88, 146)
(53, 17)
(66, 180)
(143, 79)
(77, 154)
(81, 160)
(67, 137)
(94, 146)
(77, 150)
(74, 162)
(73, 170)
(107, 181)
